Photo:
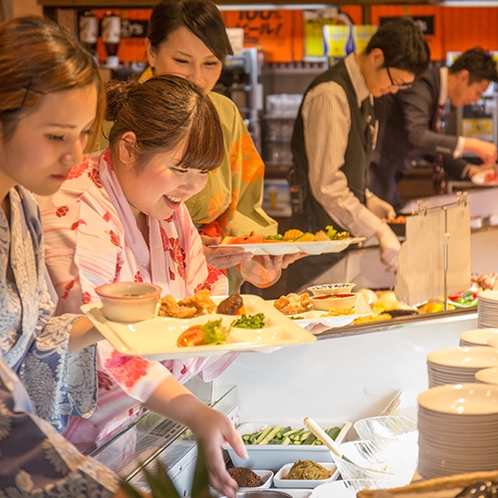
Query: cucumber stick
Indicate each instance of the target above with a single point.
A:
(273, 432)
(285, 436)
(263, 435)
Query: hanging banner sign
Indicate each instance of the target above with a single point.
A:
(270, 30)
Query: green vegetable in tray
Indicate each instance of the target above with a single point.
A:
(275, 237)
(256, 321)
(286, 436)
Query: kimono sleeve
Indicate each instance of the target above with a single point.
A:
(47, 463)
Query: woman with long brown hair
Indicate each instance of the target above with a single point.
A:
(50, 95)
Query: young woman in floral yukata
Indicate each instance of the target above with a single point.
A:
(188, 38)
(120, 216)
(50, 94)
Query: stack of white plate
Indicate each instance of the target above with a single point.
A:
(493, 341)
(458, 430)
(487, 309)
(477, 337)
(488, 376)
(459, 365)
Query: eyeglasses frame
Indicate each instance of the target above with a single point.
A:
(404, 86)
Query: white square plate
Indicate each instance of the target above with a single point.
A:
(156, 338)
(280, 482)
(266, 475)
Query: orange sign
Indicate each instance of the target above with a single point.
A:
(270, 30)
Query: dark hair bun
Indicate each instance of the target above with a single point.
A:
(117, 94)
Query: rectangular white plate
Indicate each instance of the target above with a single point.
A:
(281, 248)
(156, 338)
(274, 456)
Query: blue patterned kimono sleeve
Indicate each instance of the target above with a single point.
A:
(59, 384)
(36, 460)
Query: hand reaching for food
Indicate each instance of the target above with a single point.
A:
(486, 281)
(379, 207)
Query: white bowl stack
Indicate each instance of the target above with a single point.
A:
(487, 309)
(459, 365)
(477, 337)
(458, 429)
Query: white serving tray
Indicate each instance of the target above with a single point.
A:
(156, 338)
(281, 248)
(274, 456)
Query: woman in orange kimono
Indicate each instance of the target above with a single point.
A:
(188, 38)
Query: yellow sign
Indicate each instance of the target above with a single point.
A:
(313, 23)
(362, 34)
(481, 128)
(336, 40)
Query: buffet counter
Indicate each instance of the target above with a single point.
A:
(349, 373)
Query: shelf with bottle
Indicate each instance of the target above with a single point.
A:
(278, 125)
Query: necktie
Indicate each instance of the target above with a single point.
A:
(438, 177)
(365, 112)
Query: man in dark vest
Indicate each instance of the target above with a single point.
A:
(333, 136)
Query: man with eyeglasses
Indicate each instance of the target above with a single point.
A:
(333, 136)
(412, 125)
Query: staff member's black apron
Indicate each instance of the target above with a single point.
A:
(307, 213)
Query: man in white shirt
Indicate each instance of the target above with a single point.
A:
(410, 124)
(332, 140)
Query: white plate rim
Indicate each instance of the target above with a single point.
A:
(120, 334)
(313, 248)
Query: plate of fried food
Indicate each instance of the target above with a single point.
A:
(299, 309)
(293, 241)
(201, 325)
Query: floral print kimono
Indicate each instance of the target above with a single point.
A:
(91, 239)
(231, 202)
(35, 460)
(33, 342)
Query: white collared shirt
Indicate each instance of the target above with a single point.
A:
(327, 122)
(443, 97)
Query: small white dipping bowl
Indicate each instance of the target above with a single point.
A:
(320, 290)
(129, 301)
(327, 302)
